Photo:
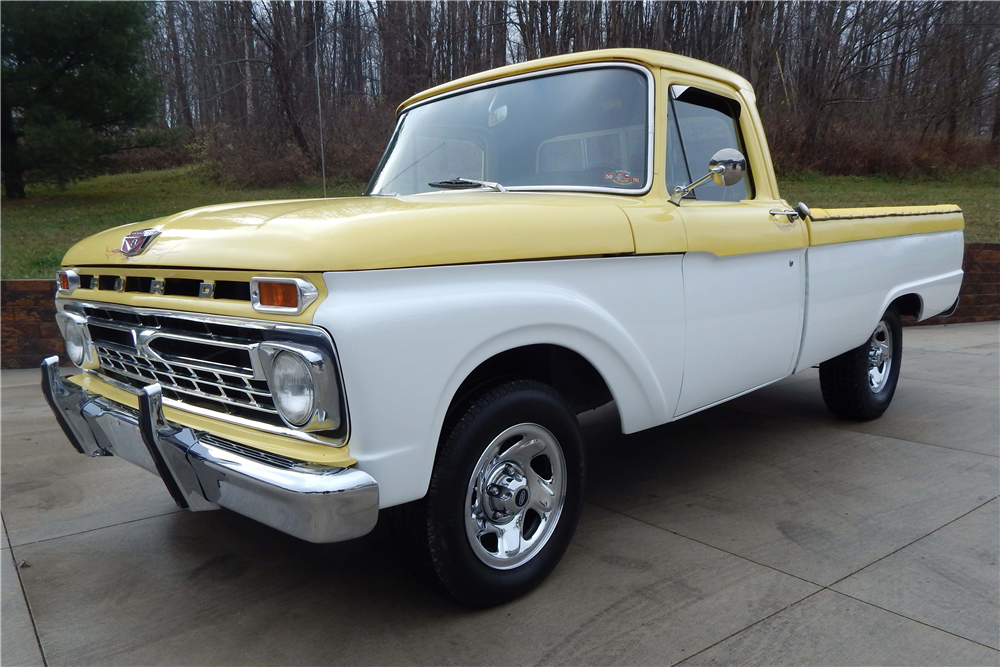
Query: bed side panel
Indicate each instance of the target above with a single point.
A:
(849, 286)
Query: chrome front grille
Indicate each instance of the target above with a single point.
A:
(205, 364)
(194, 362)
(192, 383)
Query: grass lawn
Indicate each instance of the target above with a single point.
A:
(37, 231)
(977, 192)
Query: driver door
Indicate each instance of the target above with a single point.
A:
(744, 273)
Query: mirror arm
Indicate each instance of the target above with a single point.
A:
(681, 191)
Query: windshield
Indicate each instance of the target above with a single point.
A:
(575, 130)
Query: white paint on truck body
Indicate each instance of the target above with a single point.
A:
(670, 334)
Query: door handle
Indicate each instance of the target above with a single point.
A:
(792, 215)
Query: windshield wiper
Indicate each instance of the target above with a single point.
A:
(466, 184)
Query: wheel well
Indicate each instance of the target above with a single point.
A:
(561, 368)
(909, 304)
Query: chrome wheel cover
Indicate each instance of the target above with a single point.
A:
(515, 496)
(879, 357)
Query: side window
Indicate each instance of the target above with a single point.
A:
(699, 123)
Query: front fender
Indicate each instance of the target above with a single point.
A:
(408, 338)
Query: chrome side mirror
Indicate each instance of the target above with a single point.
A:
(727, 167)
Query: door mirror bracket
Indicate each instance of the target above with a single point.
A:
(727, 167)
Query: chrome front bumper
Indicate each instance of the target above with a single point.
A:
(204, 472)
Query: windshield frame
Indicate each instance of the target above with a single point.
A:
(650, 130)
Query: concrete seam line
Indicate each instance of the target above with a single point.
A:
(24, 596)
(90, 530)
(961, 516)
(710, 546)
(950, 384)
(915, 620)
(822, 587)
(789, 606)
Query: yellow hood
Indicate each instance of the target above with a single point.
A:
(358, 233)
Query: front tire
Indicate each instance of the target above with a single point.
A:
(860, 384)
(504, 499)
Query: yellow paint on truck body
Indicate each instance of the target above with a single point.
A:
(841, 225)
(304, 451)
(356, 233)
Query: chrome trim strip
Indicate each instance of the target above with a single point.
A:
(224, 320)
(264, 325)
(882, 215)
(622, 64)
(312, 502)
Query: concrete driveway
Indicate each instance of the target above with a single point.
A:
(760, 532)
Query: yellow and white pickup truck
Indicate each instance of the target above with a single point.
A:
(538, 240)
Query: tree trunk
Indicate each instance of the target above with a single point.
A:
(13, 170)
(180, 86)
(281, 20)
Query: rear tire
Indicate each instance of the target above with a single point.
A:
(510, 469)
(859, 384)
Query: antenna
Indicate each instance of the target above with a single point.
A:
(319, 106)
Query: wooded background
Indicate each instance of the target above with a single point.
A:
(844, 87)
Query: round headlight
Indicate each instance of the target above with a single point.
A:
(75, 342)
(292, 388)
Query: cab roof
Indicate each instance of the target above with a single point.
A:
(647, 57)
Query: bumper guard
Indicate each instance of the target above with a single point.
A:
(202, 472)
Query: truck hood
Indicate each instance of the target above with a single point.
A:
(357, 233)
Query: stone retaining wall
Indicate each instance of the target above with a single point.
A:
(979, 298)
(28, 332)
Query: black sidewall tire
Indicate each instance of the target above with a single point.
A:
(844, 379)
(467, 578)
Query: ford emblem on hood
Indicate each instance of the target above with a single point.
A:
(137, 241)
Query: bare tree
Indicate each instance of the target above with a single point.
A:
(823, 71)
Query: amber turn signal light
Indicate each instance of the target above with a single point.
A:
(281, 295)
(67, 281)
(285, 296)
